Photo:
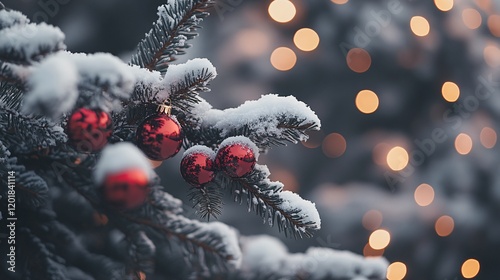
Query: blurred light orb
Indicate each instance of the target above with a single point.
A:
(444, 5)
(470, 268)
(252, 42)
(450, 91)
(380, 153)
(424, 195)
(334, 145)
(367, 101)
(488, 137)
(420, 26)
(472, 18)
(492, 55)
(370, 252)
(397, 158)
(314, 140)
(494, 25)
(282, 11)
(283, 58)
(463, 144)
(396, 271)
(306, 39)
(379, 239)
(358, 60)
(444, 226)
(372, 219)
(340, 2)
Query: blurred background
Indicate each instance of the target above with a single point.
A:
(406, 163)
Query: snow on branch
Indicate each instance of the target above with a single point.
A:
(11, 18)
(270, 120)
(25, 44)
(185, 81)
(266, 256)
(294, 215)
(177, 22)
(64, 77)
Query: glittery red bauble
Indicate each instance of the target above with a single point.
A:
(127, 189)
(197, 169)
(159, 137)
(88, 130)
(236, 160)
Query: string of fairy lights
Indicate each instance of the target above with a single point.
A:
(393, 154)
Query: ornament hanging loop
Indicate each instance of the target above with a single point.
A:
(165, 108)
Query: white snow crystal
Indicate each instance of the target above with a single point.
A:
(200, 149)
(30, 37)
(9, 18)
(120, 157)
(308, 213)
(261, 115)
(263, 252)
(243, 141)
(54, 81)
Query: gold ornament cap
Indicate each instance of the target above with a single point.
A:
(165, 108)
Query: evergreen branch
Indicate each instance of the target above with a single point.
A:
(185, 93)
(10, 96)
(141, 251)
(207, 200)
(177, 23)
(265, 198)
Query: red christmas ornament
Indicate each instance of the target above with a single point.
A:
(88, 130)
(160, 136)
(197, 168)
(236, 160)
(127, 189)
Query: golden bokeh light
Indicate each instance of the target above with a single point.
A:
(444, 226)
(306, 39)
(358, 60)
(494, 25)
(379, 239)
(282, 10)
(314, 140)
(450, 91)
(252, 42)
(370, 252)
(396, 271)
(472, 18)
(397, 158)
(488, 137)
(340, 2)
(492, 55)
(334, 145)
(367, 101)
(287, 177)
(380, 153)
(463, 144)
(283, 59)
(470, 268)
(444, 5)
(424, 195)
(372, 219)
(420, 26)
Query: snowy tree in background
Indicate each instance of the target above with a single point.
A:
(82, 133)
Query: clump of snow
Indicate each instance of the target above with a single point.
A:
(229, 239)
(200, 149)
(265, 255)
(177, 73)
(30, 39)
(53, 86)
(143, 75)
(119, 157)
(262, 115)
(308, 212)
(105, 68)
(10, 18)
(242, 140)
